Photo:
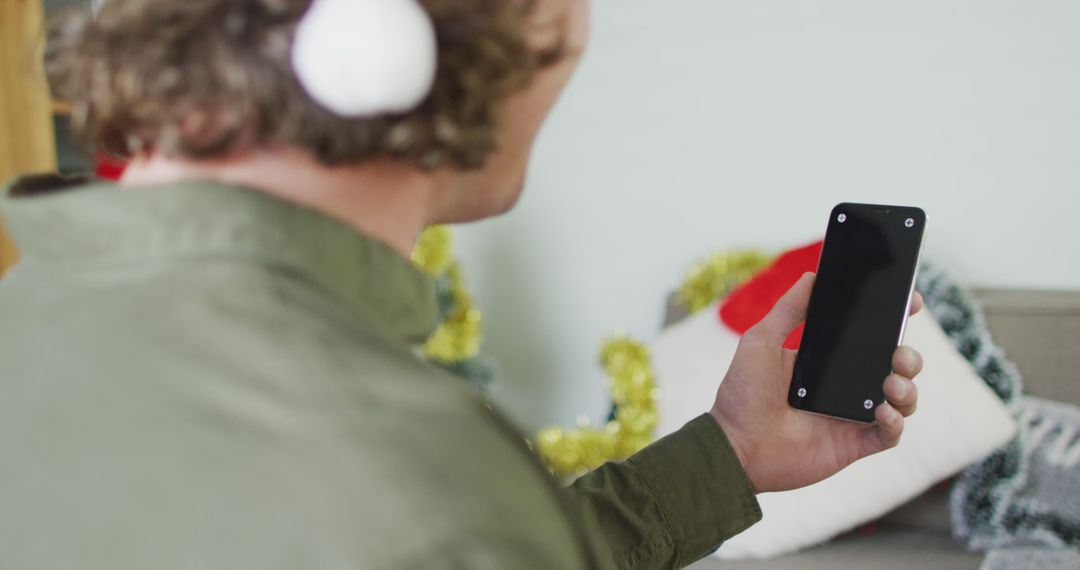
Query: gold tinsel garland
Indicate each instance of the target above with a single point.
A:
(433, 251)
(633, 393)
(632, 383)
(718, 274)
(459, 336)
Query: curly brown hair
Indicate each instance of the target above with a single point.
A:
(200, 78)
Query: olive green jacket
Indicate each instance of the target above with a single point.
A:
(203, 377)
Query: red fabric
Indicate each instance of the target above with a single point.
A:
(109, 168)
(751, 301)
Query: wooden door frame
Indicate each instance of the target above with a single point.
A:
(26, 132)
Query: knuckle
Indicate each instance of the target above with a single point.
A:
(905, 390)
(761, 332)
(898, 387)
(753, 335)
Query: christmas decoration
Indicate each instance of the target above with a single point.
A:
(455, 344)
(634, 395)
(717, 274)
(630, 426)
(365, 58)
(108, 167)
(745, 306)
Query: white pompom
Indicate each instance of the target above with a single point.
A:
(362, 58)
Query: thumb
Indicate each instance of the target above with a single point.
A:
(787, 314)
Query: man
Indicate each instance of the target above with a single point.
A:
(212, 365)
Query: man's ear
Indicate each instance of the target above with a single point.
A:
(557, 27)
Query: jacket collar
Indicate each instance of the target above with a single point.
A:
(74, 221)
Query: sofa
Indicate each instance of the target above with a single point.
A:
(1039, 332)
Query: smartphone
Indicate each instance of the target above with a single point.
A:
(858, 309)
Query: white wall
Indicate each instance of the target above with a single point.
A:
(705, 124)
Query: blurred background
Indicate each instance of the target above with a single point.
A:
(718, 124)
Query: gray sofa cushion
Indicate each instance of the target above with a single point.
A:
(1032, 558)
(1040, 331)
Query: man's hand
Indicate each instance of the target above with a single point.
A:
(781, 448)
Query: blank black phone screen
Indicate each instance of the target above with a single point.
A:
(857, 309)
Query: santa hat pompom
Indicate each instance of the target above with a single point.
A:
(361, 58)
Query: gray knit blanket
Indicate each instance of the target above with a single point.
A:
(1031, 558)
(1026, 494)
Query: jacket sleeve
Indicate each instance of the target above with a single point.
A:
(671, 503)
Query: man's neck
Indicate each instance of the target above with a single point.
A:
(383, 199)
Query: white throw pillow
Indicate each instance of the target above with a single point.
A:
(959, 420)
